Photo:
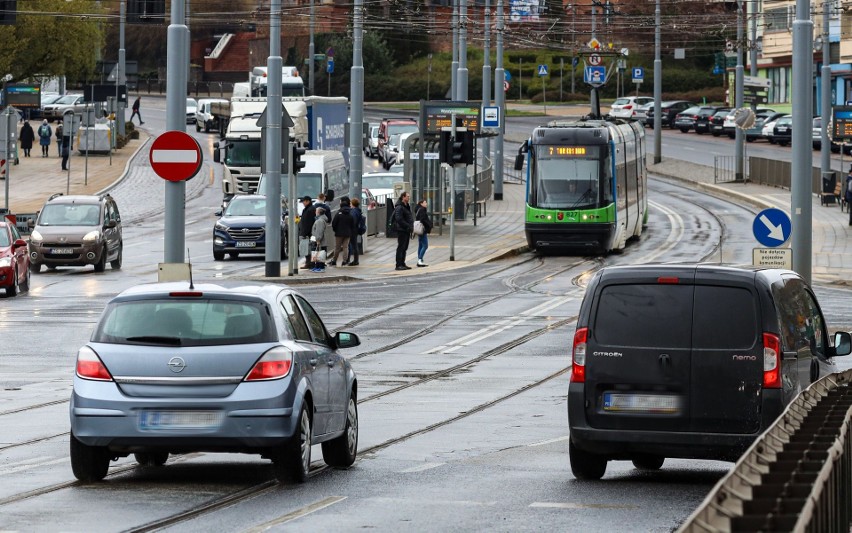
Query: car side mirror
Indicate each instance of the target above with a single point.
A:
(329, 195)
(31, 223)
(842, 343)
(218, 213)
(111, 224)
(343, 339)
(19, 243)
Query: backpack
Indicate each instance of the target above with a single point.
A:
(362, 224)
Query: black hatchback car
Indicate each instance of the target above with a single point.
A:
(689, 361)
(702, 119)
(668, 111)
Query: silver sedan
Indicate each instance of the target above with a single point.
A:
(248, 368)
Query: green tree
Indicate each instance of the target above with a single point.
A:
(376, 55)
(53, 38)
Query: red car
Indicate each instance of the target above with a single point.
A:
(14, 260)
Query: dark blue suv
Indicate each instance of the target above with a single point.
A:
(241, 228)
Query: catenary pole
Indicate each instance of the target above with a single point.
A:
(825, 81)
(177, 66)
(311, 51)
(500, 101)
(122, 73)
(273, 143)
(486, 77)
(356, 89)
(800, 183)
(658, 88)
(454, 66)
(738, 97)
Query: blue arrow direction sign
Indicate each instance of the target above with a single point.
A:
(507, 75)
(542, 70)
(771, 227)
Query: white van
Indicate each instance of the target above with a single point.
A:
(203, 116)
(325, 171)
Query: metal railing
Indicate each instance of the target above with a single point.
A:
(725, 169)
(797, 476)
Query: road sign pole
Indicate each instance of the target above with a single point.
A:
(273, 143)
(174, 237)
(500, 101)
(544, 95)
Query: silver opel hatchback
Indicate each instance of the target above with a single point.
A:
(247, 368)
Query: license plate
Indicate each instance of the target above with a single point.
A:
(62, 251)
(781, 130)
(641, 403)
(158, 420)
(246, 244)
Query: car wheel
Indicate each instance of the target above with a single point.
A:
(749, 139)
(684, 130)
(341, 451)
(206, 127)
(89, 463)
(782, 143)
(585, 465)
(13, 289)
(197, 127)
(295, 461)
(732, 135)
(115, 264)
(715, 134)
(35, 267)
(100, 266)
(284, 245)
(771, 141)
(151, 458)
(648, 462)
(26, 284)
(218, 256)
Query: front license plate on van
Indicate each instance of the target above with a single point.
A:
(641, 403)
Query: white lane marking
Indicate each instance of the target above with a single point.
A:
(29, 464)
(549, 441)
(298, 513)
(675, 235)
(567, 505)
(464, 503)
(174, 156)
(500, 326)
(421, 468)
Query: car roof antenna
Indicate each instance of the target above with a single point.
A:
(191, 286)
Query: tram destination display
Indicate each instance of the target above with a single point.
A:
(435, 116)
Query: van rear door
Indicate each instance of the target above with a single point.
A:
(638, 358)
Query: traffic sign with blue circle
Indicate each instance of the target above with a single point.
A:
(638, 73)
(542, 70)
(329, 67)
(594, 75)
(772, 227)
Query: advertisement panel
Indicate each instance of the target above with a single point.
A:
(525, 10)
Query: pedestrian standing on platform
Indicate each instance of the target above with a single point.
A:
(59, 129)
(326, 209)
(403, 221)
(136, 111)
(848, 194)
(66, 150)
(26, 138)
(422, 216)
(306, 225)
(344, 230)
(45, 134)
(318, 240)
(360, 229)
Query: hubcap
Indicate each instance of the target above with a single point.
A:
(352, 433)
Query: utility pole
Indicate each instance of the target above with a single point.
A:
(311, 52)
(500, 100)
(356, 89)
(825, 79)
(486, 77)
(658, 87)
(454, 66)
(273, 145)
(177, 63)
(122, 73)
(740, 138)
(461, 80)
(801, 204)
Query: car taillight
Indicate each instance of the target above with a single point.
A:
(578, 356)
(628, 106)
(274, 364)
(89, 365)
(771, 361)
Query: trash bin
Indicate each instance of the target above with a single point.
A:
(829, 182)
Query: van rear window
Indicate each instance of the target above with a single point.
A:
(658, 316)
(725, 319)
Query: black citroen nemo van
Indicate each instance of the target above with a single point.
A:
(689, 361)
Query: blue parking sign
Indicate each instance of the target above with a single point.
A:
(638, 73)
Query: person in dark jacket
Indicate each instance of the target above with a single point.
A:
(26, 138)
(45, 133)
(59, 135)
(360, 229)
(306, 224)
(848, 194)
(344, 229)
(404, 222)
(422, 215)
(325, 207)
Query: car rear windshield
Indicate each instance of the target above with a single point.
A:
(663, 316)
(185, 322)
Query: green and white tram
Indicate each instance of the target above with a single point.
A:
(586, 185)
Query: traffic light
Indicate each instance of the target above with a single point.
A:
(458, 151)
(298, 152)
(8, 12)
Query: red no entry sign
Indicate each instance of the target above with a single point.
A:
(175, 156)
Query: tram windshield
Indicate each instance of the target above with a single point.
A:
(566, 177)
